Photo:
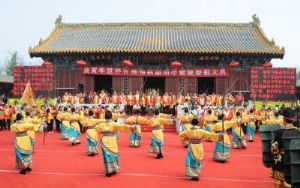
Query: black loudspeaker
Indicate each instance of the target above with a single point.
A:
(112, 90)
(80, 87)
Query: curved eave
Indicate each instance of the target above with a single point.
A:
(278, 53)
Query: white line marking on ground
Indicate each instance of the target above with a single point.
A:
(123, 151)
(139, 175)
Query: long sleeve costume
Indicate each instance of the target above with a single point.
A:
(194, 157)
(91, 134)
(109, 145)
(157, 140)
(136, 136)
(23, 146)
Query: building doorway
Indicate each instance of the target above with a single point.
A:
(103, 83)
(206, 85)
(157, 83)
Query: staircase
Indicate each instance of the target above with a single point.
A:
(167, 128)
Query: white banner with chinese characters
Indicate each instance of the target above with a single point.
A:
(195, 72)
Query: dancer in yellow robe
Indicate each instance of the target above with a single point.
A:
(237, 132)
(209, 119)
(23, 146)
(251, 127)
(275, 120)
(194, 157)
(65, 125)
(109, 146)
(222, 147)
(135, 121)
(31, 133)
(91, 133)
(157, 123)
(74, 131)
(185, 120)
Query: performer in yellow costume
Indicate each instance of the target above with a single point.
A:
(135, 121)
(157, 140)
(209, 119)
(109, 146)
(185, 120)
(275, 120)
(31, 133)
(237, 132)
(222, 147)
(194, 157)
(23, 146)
(65, 125)
(74, 131)
(251, 127)
(91, 133)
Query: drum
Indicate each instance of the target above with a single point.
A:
(136, 107)
(111, 106)
(178, 126)
(121, 120)
(157, 105)
(122, 108)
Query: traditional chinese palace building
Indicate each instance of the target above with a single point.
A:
(204, 50)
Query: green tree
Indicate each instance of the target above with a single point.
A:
(12, 61)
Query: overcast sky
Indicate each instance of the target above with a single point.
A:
(24, 22)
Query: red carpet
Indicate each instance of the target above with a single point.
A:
(57, 164)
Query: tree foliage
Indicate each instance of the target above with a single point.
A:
(12, 60)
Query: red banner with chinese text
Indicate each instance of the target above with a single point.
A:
(195, 72)
(273, 83)
(40, 78)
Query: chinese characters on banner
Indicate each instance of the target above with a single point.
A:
(196, 72)
(40, 77)
(273, 83)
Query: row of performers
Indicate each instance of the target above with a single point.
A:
(50, 113)
(168, 99)
(192, 136)
(229, 112)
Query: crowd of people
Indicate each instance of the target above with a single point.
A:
(198, 118)
(146, 102)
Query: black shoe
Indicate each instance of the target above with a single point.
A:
(159, 156)
(92, 154)
(28, 169)
(110, 174)
(23, 171)
(114, 173)
(195, 179)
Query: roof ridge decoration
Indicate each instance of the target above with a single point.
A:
(159, 24)
(58, 20)
(256, 19)
(256, 22)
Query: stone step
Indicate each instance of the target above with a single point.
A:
(167, 128)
